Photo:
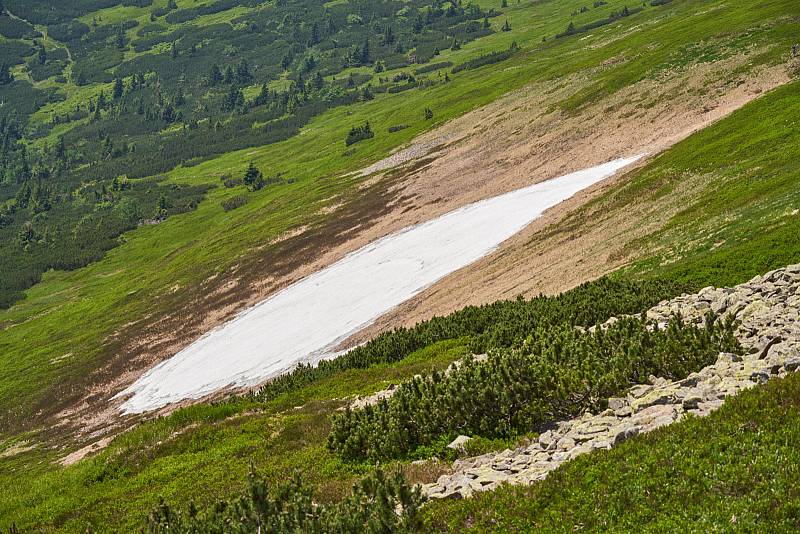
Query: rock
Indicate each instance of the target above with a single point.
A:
(727, 358)
(655, 398)
(452, 494)
(792, 365)
(459, 443)
(640, 390)
(768, 309)
(623, 433)
(565, 444)
(760, 377)
(616, 403)
(763, 348)
(547, 440)
(692, 401)
(625, 411)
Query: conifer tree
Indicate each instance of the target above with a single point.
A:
(5, 74)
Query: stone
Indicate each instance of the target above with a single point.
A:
(760, 377)
(565, 444)
(459, 443)
(623, 433)
(640, 390)
(625, 411)
(547, 440)
(792, 364)
(768, 309)
(655, 398)
(692, 401)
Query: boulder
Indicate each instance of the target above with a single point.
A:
(459, 443)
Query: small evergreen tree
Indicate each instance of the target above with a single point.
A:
(506, 26)
(5, 74)
(253, 178)
(119, 89)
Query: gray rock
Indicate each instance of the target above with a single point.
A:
(459, 443)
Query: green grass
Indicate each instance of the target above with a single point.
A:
(721, 466)
(734, 471)
(749, 171)
(137, 278)
(743, 218)
(202, 450)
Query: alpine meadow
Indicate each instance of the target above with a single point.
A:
(399, 266)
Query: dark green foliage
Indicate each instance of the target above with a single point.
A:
(49, 12)
(733, 471)
(253, 178)
(230, 204)
(558, 373)
(498, 325)
(44, 231)
(613, 17)
(359, 133)
(487, 59)
(183, 101)
(433, 67)
(5, 74)
(377, 504)
(16, 29)
(393, 129)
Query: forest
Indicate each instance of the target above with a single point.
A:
(98, 110)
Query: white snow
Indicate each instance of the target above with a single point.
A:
(305, 321)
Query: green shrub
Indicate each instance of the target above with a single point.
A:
(377, 504)
(558, 373)
(230, 204)
(497, 325)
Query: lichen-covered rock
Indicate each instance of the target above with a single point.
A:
(768, 310)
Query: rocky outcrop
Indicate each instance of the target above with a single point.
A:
(767, 308)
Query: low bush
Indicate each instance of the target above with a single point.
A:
(230, 204)
(497, 325)
(377, 504)
(558, 373)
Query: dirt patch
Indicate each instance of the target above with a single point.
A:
(80, 454)
(516, 141)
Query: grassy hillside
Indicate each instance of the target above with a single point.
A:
(161, 268)
(204, 452)
(733, 471)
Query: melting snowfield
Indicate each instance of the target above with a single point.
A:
(305, 321)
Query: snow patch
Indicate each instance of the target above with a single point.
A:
(305, 321)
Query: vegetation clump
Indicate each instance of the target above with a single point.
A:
(498, 325)
(557, 373)
(230, 204)
(377, 504)
(487, 59)
(359, 133)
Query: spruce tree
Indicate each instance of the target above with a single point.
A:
(253, 178)
(5, 74)
(119, 89)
